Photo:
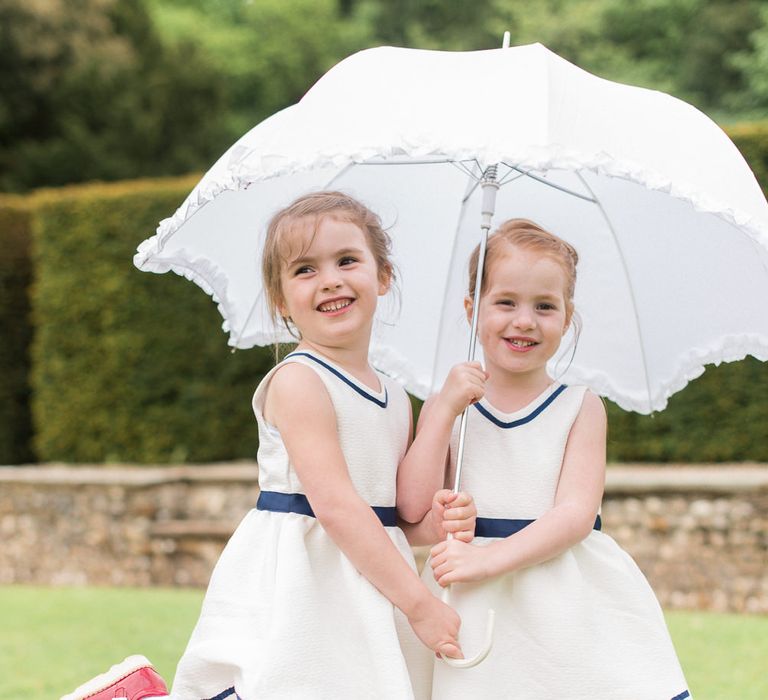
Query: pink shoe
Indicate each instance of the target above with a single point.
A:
(133, 679)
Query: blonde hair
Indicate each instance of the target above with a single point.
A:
(316, 207)
(527, 235)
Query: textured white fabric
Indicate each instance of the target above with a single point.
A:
(286, 615)
(657, 200)
(584, 625)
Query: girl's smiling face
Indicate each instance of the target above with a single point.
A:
(523, 312)
(330, 282)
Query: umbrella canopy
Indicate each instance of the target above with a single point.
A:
(669, 222)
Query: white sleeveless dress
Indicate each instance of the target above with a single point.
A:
(286, 615)
(584, 625)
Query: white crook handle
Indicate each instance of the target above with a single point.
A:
(487, 641)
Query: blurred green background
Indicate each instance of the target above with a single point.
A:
(115, 89)
(101, 363)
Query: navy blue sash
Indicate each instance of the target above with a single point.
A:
(501, 527)
(298, 503)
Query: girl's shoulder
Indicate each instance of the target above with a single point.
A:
(291, 380)
(592, 410)
(582, 396)
(295, 377)
(588, 397)
(292, 369)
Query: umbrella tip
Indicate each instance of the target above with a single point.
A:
(505, 41)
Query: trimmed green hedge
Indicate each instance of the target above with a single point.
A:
(129, 366)
(722, 416)
(15, 330)
(752, 141)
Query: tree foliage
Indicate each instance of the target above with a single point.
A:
(752, 62)
(111, 89)
(265, 54)
(91, 92)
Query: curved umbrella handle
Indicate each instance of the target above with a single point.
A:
(487, 642)
(489, 187)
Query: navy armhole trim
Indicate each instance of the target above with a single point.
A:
(526, 419)
(344, 379)
(682, 696)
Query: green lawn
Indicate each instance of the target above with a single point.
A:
(55, 638)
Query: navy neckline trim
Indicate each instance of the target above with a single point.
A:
(525, 419)
(346, 380)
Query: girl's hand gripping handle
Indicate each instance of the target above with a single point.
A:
(487, 641)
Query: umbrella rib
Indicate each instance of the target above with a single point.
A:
(544, 181)
(401, 162)
(629, 284)
(248, 318)
(460, 164)
(474, 179)
(425, 161)
(470, 190)
(337, 175)
(759, 250)
(507, 179)
(446, 282)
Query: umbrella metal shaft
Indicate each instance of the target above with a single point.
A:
(490, 187)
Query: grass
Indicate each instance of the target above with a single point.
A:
(723, 656)
(55, 638)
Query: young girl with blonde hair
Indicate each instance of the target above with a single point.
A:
(575, 617)
(316, 596)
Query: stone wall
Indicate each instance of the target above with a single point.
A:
(128, 526)
(700, 534)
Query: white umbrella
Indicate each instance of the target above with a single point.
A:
(670, 225)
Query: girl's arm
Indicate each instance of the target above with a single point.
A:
(571, 519)
(299, 406)
(422, 472)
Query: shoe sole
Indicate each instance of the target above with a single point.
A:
(108, 678)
